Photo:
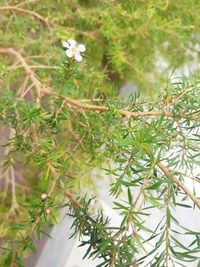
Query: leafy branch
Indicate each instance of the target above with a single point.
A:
(64, 135)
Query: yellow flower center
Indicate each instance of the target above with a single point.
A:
(73, 49)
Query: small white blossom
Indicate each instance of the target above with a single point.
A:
(73, 49)
(44, 196)
(47, 211)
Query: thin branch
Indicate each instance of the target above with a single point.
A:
(76, 205)
(26, 11)
(14, 205)
(27, 90)
(37, 84)
(35, 67)
(51, 190)
(195, 179)
(6, 28)
(23, 87)
(79, 105)
(189, 89)
(39, 215)
(130, 213)
(167, 226)
(176, 181)
(134, 204)
(47, 21)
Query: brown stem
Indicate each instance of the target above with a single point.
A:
(41, 89)
(49, 23)
(73, 200)
(37, 84)
(78, 104)
(176, 181)
(26, 11)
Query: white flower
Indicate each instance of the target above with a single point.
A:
(73, 49)
(44, 196)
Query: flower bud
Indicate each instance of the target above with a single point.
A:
(44, 196)
(47, 211)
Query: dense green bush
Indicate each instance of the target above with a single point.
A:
(63, 118)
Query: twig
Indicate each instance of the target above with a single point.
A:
(37, 84)
(14, 205)
(167, 173)
(47, 21)
(130, 213)
(27, 90)
(52, 188)
(39, 215)
(35, 67)
(78, 104)
(26, 11)
(23, 87)
(72, 200)
(176, 181)
(167, 226)
(195, 179)
(182, 94)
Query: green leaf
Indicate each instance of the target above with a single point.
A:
(154, 186)
(130, 198)
(125, 142)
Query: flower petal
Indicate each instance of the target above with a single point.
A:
(72, 42)
(69, 53)
(78, 57)
(81, 48)
(65, 44)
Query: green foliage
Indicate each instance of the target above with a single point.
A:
(137, 148)
(125, 37)
(63, 119)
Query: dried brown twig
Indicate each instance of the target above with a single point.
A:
(26, 11)
(30, 73)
